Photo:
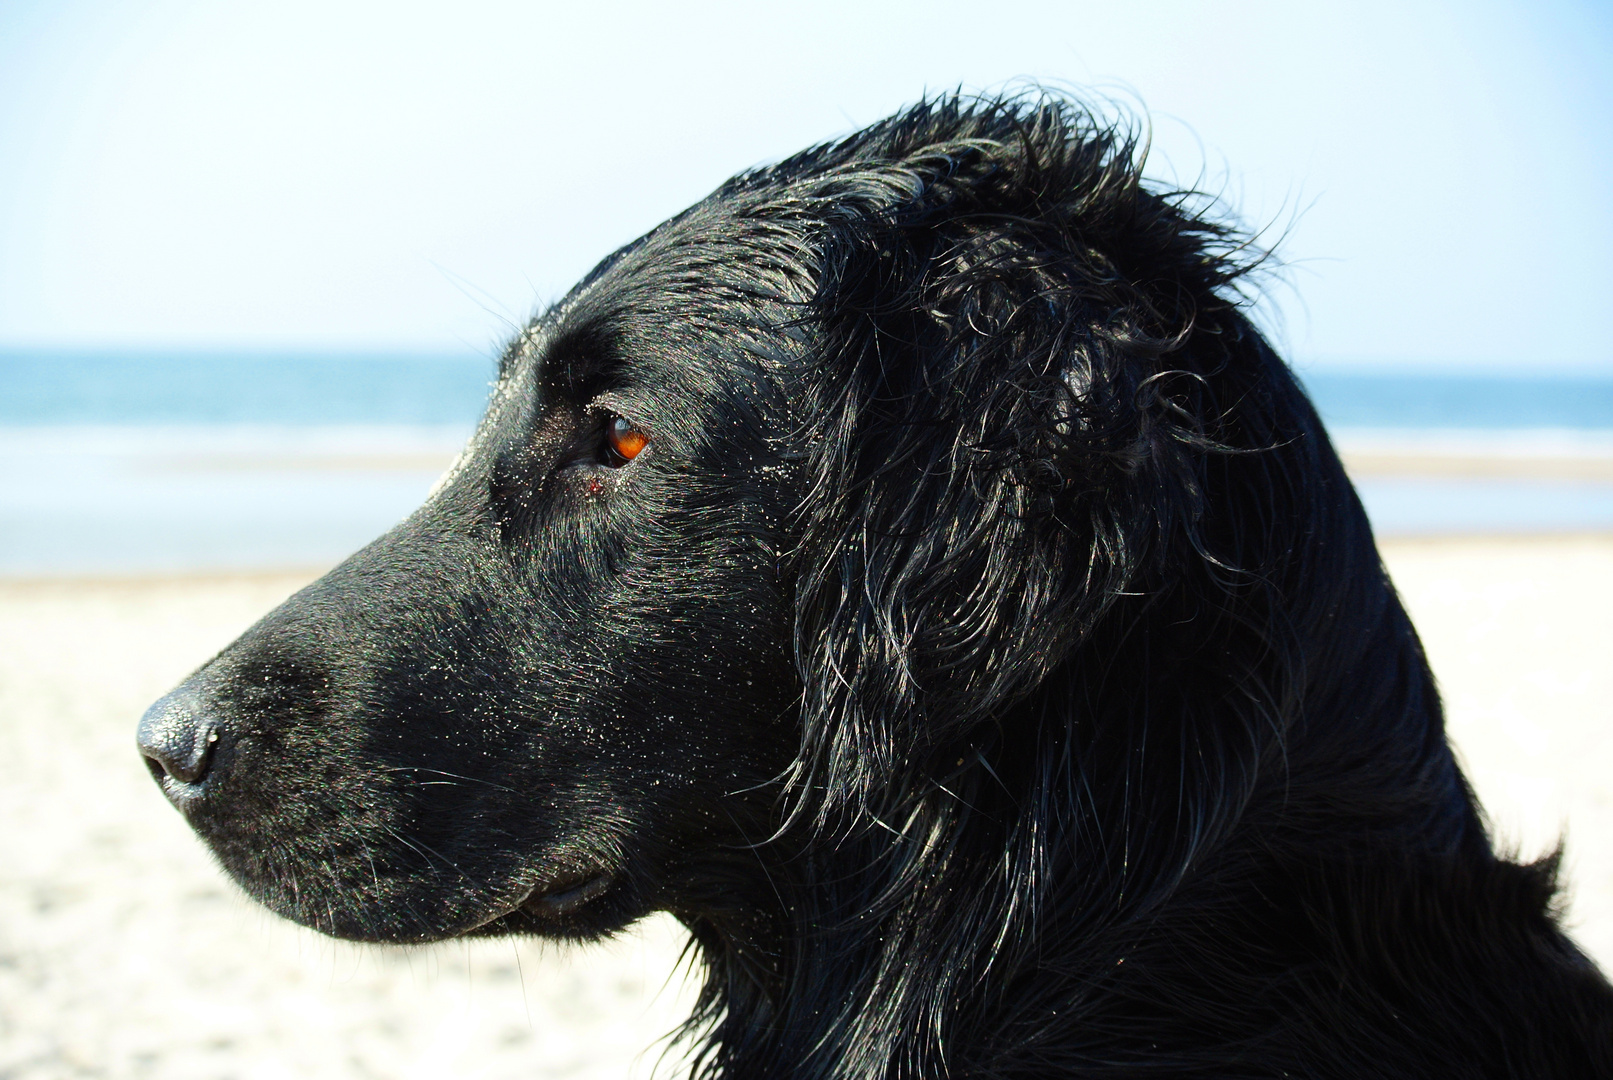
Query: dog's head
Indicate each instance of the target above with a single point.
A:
(767, 521)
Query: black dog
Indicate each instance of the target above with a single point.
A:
(910, 568)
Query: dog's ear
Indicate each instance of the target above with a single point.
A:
(1004, 433)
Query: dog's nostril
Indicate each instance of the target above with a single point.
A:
(175, 740)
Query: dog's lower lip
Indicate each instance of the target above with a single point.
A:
(560, 899)
(568, 896)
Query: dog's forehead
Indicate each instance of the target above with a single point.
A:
(663, 307)
(706, 308)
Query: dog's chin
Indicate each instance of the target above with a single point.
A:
(574, 904)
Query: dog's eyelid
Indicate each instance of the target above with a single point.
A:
(608, 403)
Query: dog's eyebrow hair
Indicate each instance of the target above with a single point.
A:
(579, 362)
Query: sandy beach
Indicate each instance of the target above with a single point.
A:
(125, 953)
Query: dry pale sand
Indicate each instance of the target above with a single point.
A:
(124, 953)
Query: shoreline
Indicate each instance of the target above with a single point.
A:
(308, 572)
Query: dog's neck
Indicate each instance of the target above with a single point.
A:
(1043, 899)
(1244, 737)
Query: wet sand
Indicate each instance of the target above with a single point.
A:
(125, 953)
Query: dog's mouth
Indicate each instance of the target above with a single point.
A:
(574, 905)
(567, 896)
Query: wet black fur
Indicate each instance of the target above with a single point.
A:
(988, 659)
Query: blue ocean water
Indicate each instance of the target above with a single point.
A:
(192, 387)
(175, 461)
(1481, 402)
(137, 388)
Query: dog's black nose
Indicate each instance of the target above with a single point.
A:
(176, 740)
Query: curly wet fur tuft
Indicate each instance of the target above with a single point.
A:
(988, 659)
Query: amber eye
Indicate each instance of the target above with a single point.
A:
(625, 442)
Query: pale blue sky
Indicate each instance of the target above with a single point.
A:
(398, 175)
